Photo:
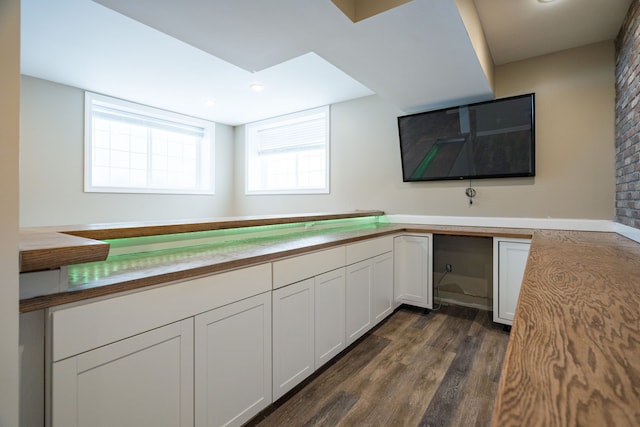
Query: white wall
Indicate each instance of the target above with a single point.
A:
(574, 152)
(51, 175)
(9, 137)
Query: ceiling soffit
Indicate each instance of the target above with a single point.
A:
(416, 55)
(357, 10)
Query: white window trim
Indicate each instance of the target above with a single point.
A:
(279, 121)
(209, 129)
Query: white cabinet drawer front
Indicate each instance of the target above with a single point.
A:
(302, 267)
(146, 380)
(368, 249)
(90, 325)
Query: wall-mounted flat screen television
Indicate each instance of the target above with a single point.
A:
(493, 139)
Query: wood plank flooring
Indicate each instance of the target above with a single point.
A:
(418, 368)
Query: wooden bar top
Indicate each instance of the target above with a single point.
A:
(574, 354)
(120, 230)
(44, 248)
(99, 276)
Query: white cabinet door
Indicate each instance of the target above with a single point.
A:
(329, 315)
(145, 380)
(293, 335)
(413, 270)
(233, 362)
(382, 287)
(358, 302)
(509, 262)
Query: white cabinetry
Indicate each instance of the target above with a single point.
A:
(358, 302)
(413, 271)
(233, 362)
(145, 380)
(129, 360)
(369, 296)
(382, 287)
(308, 315)
(329, 315)
(293, 335)
(509, 262)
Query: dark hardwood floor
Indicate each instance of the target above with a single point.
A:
(418, 368)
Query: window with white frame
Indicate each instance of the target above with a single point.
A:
(132, 148)
(288, 154)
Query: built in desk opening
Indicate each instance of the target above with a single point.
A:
(463, 271)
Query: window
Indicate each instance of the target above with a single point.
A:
(289, 154)
(131, 148)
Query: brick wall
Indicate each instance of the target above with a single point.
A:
(628, 119)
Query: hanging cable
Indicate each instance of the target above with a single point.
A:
(435, 289)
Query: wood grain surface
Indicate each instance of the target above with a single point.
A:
(574, 354)
(44, 250)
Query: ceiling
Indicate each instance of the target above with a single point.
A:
(185, 55)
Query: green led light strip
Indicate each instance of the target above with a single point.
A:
(132, 245)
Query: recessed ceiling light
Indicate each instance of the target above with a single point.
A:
(210, 103)
(546, 1)
(257, 87)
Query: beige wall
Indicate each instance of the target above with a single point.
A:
(574, 151)
(574, 157)
(51, 176)
(9, 137)
(575, 129)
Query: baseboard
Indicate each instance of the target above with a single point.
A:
(507, 222)
(447, 301)
(628, 232)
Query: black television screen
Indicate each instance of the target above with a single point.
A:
(492, 139)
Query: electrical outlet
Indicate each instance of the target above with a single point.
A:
(448, 268)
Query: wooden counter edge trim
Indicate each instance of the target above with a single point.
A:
(515, 233)
(46, 301)
(51, 254)
(502, 383)
(39, 259)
